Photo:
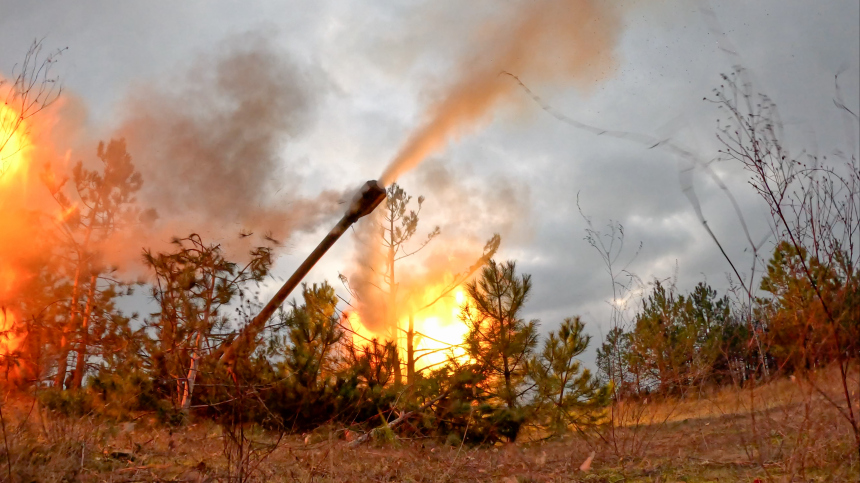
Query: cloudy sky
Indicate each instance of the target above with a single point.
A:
(362, 75)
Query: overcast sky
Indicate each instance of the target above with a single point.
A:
(371, 68)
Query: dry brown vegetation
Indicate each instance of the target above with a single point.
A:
(782, 431)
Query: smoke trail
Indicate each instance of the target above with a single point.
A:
(557, 41)
(567, 41)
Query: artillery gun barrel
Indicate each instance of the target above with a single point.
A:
(364, 202)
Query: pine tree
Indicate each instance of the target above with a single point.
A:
(567, 394)
(659, 342)
(678, 340)
(614, 363)
(105, 201)
(193, 283)
(707, 315)
(313, 331)
(499, 340)
(399, 226)
(801, 334)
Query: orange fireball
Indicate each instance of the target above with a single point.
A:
(439, 332)
(14, 149)
(13, 144)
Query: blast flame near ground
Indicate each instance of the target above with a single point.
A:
(439, 329)
(17, 248)
(12, 163)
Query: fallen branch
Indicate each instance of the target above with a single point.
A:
(393, 424)
(141, 468)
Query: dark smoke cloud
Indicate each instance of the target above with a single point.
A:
(211, 142)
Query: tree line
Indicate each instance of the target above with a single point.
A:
(309, 369)
(81, 354)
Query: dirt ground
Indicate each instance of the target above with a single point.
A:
(779, 433)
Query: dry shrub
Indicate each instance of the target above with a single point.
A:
(42, 445)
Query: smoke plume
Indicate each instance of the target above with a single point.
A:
(569, 41)
(212, 143)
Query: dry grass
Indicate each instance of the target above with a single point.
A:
(796, 437)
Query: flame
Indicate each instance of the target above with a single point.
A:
(439, 332)
(64, 214)
(8, 341)
(361, 335)
(9, 338)
(438, 328)
(13, 145)
(14, 154)
(29, 139)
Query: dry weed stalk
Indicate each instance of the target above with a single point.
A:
(629, 425)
